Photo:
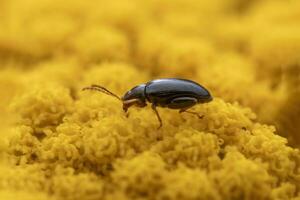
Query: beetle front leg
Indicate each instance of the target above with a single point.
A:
(157, 114)
(125, 108)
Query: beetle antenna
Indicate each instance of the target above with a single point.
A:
(101, 89)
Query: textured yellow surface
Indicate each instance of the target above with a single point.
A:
(58, 142)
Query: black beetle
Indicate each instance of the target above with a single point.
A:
(173, 93)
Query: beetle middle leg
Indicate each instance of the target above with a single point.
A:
(157, 114)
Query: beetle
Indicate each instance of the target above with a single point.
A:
(173, 93)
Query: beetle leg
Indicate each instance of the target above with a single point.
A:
(191, 112)
(157, 114)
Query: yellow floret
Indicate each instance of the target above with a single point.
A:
(59, 142)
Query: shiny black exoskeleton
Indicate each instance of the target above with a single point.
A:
(173, 93)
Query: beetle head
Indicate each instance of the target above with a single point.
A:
(135, 96)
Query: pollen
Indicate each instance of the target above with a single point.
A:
(61, 143)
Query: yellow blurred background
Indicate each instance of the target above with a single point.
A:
(60, 143)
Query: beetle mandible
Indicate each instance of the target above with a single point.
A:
(172, 93)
